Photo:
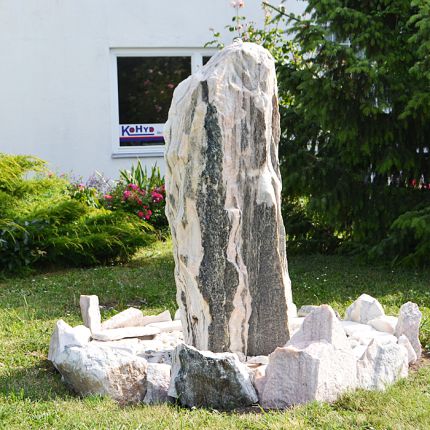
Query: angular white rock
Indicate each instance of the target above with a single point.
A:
(384, 323)
(294, 324)
(130, 317)
(356, 329)
(412, 355)
(305, 310)
(207, 379)
(259, 359)
(177, 315)
(321, 325)
(163, 317)
(126, 332)
(409, 324)
(258, 378)
(90, 312)
(364, 309)
(65, 335)
(157, 383)
(223, 204)
(167, 326)
(94, 369)
(381, 365)
(303, 373)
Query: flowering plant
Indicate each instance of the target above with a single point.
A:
(140, 194)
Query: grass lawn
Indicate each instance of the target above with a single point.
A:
(32, 395)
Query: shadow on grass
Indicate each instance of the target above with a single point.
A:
(38, 383)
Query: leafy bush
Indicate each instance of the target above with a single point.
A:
(408, 241)
(305, 232)
(140, 194)
(44, 219)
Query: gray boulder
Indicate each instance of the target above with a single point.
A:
(214, 380)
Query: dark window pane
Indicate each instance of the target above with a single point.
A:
(145, 87)
(206, 59)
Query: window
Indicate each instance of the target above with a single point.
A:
(144, 81)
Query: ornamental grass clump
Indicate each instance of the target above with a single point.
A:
(45, 220)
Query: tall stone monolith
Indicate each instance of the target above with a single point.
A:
(223, 204)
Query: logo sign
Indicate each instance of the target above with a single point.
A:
(135, 134)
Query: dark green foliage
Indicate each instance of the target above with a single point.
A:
(354, 91)
(42, 223)
(408, 240)
(305, 232)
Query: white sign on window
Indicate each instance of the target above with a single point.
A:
(138, 134)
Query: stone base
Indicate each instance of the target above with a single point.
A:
(324, 358)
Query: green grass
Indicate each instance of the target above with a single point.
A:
(32, 395)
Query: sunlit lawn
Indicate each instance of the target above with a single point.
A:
(33, 396)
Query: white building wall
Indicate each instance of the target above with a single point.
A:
(55, 69)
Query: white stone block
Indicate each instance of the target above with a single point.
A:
(409, 324)
(167, 326)
(384, 323)
(302, 373)
(364, 309)
(65, 335)
(126, 332)
(94, 369)
(163, 317)
(130, 317)
(90, 312)
(412, 355)
(157, 383)
(381, 365)
(321, 325)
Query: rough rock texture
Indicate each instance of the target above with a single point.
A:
(163, 317)
(381, 365)
(90, 312)
(65, 335)
(303, 373)
(126, 332)
(167, 326)
(412, 355)
(131, 317)
(384, 323)
(306, 310)
(157, 383)
(98, 369)
(364, 309)
(321, 325)
(409, 324)
(215, 380)
(223, 204)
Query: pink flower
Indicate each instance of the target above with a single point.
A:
(156, 197)
(148, 214)
(414, 182)
(108, 197)
(170, 85)
(133, 187)
(140, 214)
(126, 194)
(238, 3)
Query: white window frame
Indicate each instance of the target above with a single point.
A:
(196, 55)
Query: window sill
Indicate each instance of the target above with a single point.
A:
(148, 152)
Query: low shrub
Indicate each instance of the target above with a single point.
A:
(140, 194)
(46, 220)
